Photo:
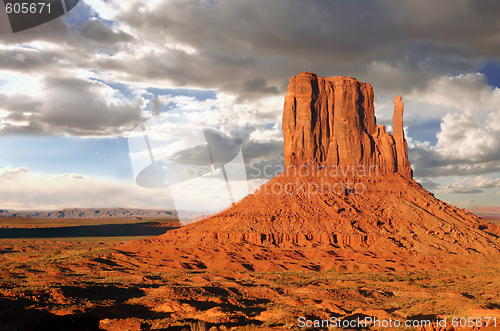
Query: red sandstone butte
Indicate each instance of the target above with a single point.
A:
(320, 215)
(331, 121)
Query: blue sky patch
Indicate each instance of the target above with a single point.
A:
(492, 72)
(200, 95)
(80, 14)
(93, 157)
(425, 130)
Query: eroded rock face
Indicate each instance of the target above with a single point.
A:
(316, 217)
(331, 121)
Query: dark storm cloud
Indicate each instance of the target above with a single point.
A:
(462, 190)
(225, 146)
(254, 47)
(236, 41)
(93, 30)
(33, 127)
(427, 183)
(395, 45)
(452, 188)
(73, 106)
(466, 185)
(21, 103)
(76, 45)
(263, 160)
(250, 90)
(26, 60)
(429, 163)
(16, 117)
(470, 185)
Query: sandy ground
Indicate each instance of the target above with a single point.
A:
(85, 284)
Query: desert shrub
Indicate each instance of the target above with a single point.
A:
(198, 326)
(408, 279)
(386, 279)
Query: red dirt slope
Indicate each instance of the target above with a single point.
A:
(346, 202)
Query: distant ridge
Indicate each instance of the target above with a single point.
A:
(99, 213)
(487, 213)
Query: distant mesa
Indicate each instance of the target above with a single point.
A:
(487, 213)
(99, 213)
(324, 212)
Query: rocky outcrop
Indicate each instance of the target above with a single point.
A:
(316, 216)
(331, 121)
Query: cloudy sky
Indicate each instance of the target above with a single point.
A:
(72, 89)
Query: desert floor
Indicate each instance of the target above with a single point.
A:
(79, 283)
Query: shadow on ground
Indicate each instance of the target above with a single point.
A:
(26, 315)
(105, 230)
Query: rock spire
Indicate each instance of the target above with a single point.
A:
(331, 121)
